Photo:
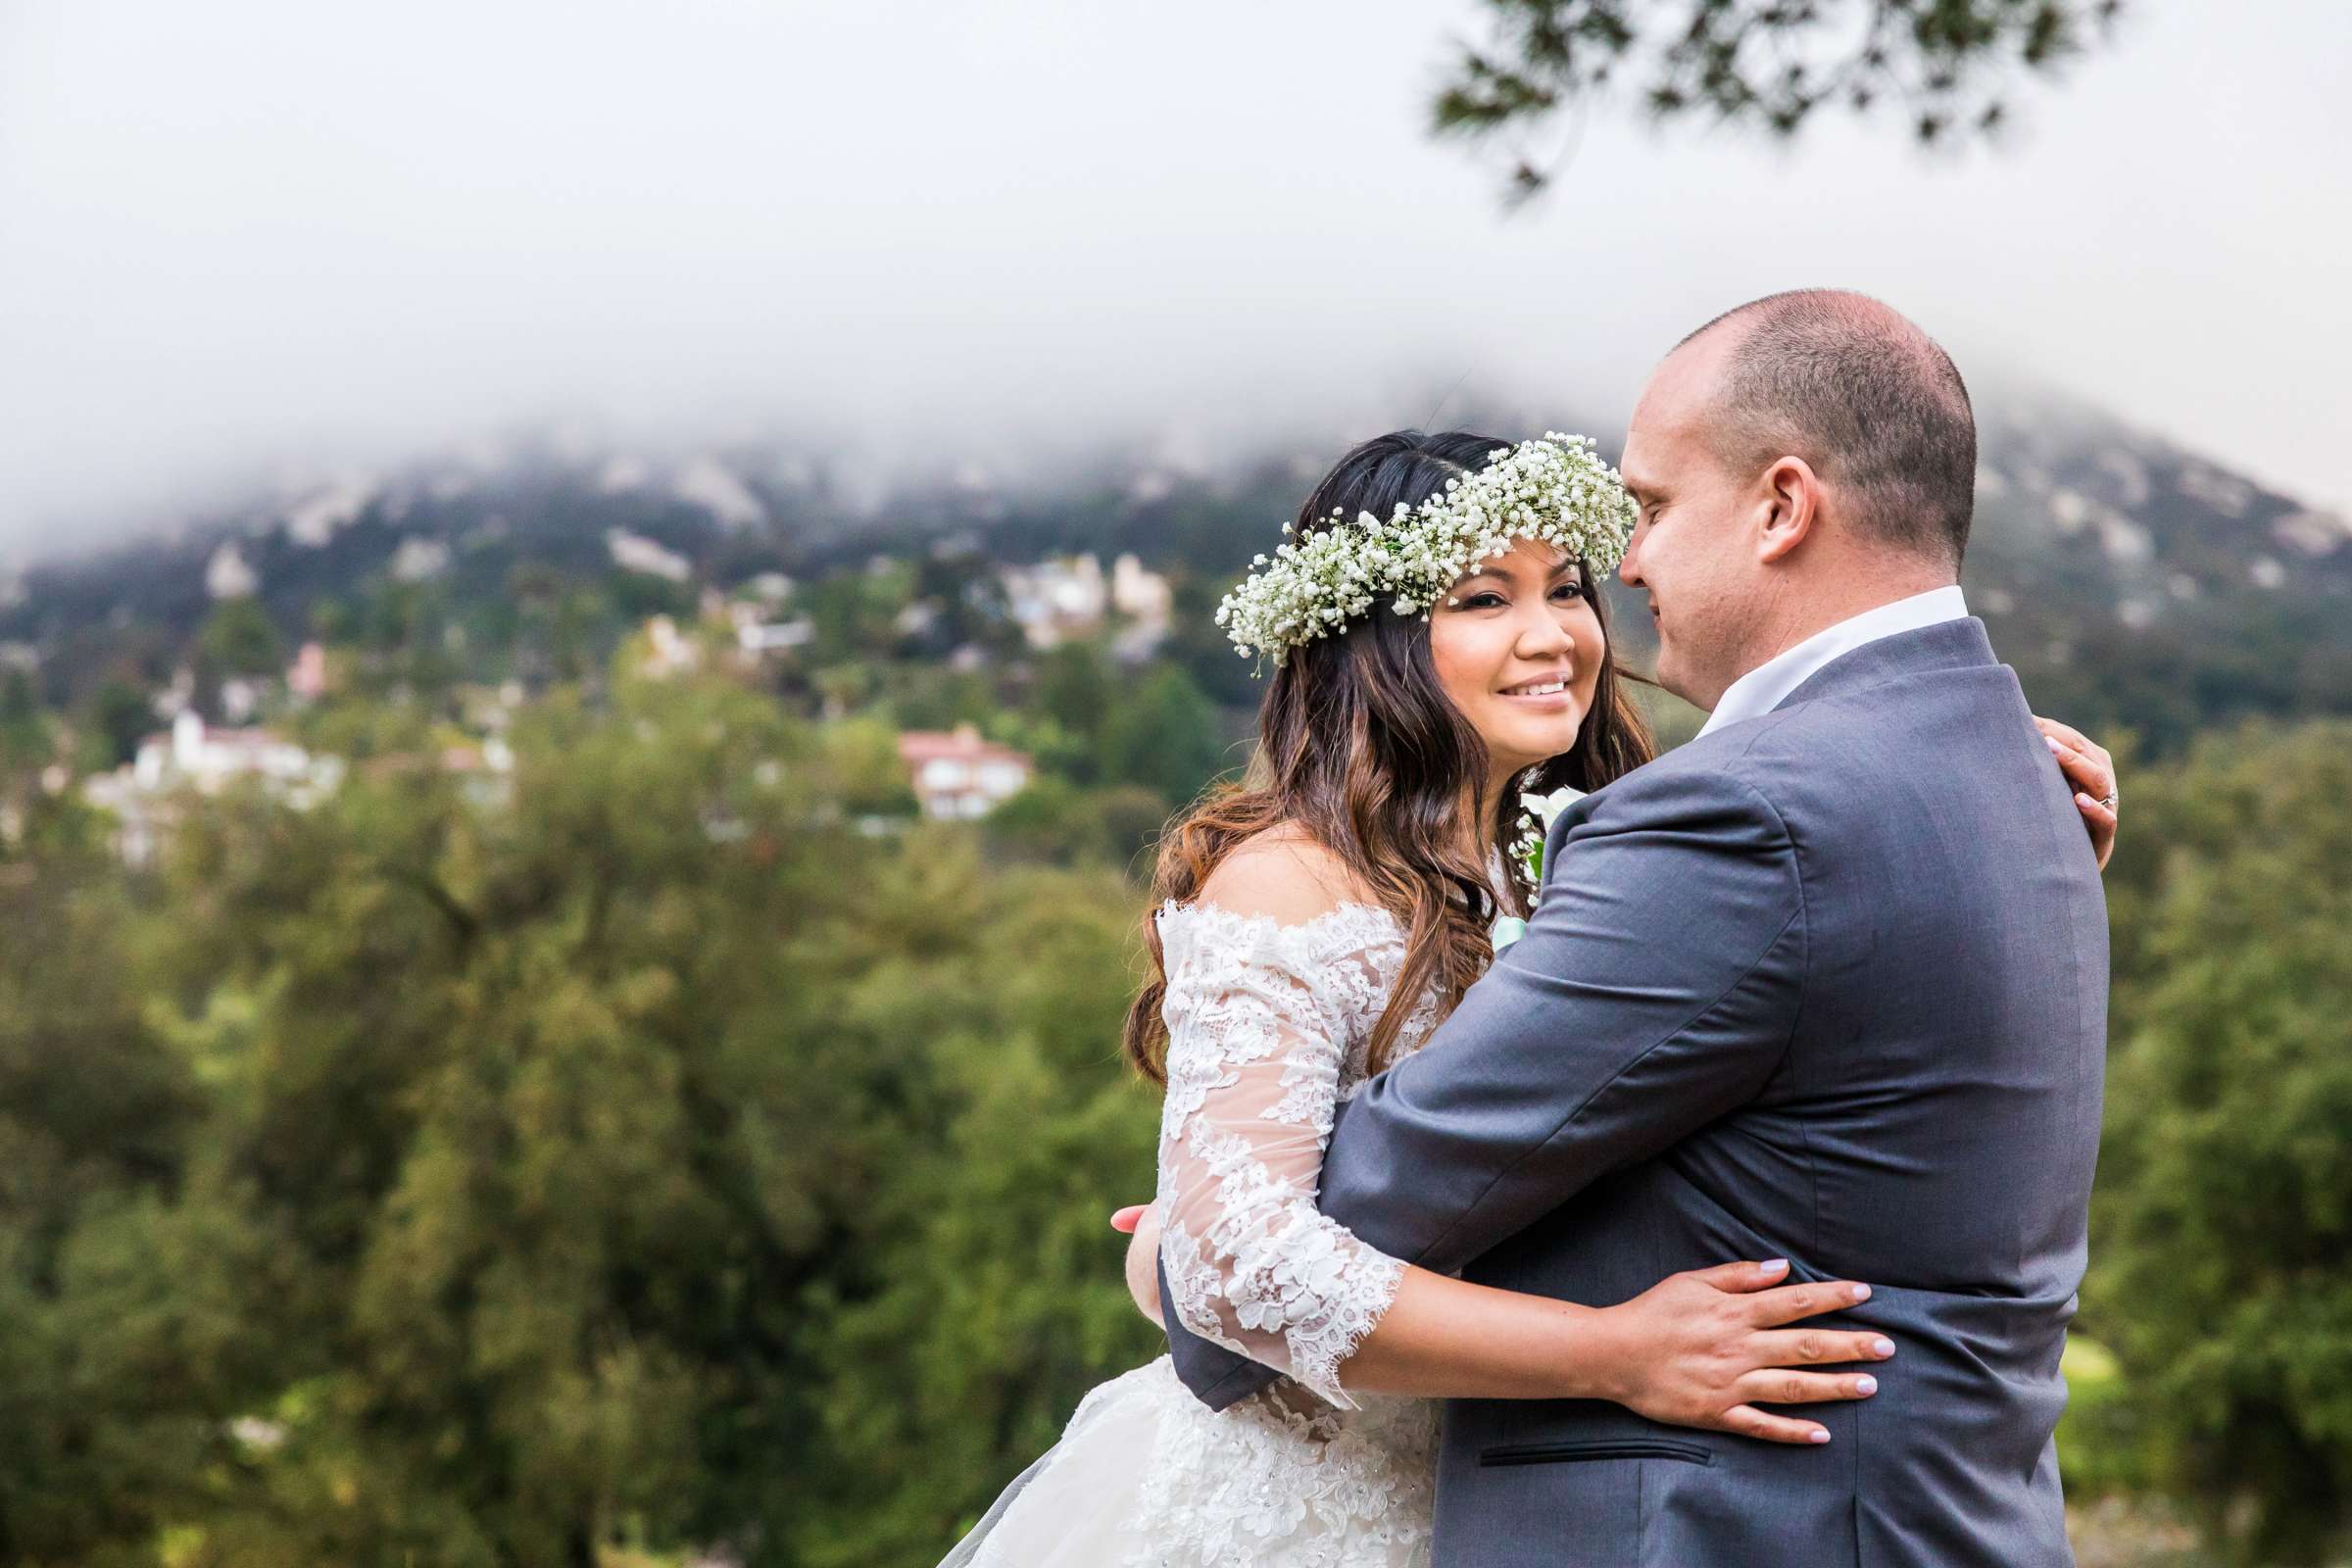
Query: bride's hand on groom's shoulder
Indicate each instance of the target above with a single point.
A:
(2091, 773)
(1704, 1349)
(1140, 1223)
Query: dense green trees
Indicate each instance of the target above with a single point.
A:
(986, 1297)
(104, 1383)
(238, 638)
(27, 739)
(2224, 1209)
(697, 1150)
(414, 1179)
(119, 718)
(1163, 735)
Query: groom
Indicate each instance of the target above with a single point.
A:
(1829, 983)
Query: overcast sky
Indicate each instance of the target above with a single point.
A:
(240, 232)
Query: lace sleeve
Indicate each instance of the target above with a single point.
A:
(1257, 1015)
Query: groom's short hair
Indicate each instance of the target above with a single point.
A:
(1859, 392)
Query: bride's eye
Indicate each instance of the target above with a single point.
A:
(1573, 588)
(1485, 601)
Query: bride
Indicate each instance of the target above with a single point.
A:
(1442, 649)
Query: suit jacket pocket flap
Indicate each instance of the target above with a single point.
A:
(1598, 1448)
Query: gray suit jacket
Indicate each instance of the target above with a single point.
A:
(1828, 984)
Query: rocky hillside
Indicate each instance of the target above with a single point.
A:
(2131, 583)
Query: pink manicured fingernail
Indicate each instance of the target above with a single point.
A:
(1866, 1385)
(2052, 741)
(1820, 1435)
(1881, 1346)
(2085, 800)
(1772, 1265)
(1861, 1293)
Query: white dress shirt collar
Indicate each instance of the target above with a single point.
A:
(1765, 687)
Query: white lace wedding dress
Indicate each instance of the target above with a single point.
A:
(1267, 1027)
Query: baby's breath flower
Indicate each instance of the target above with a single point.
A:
(1555, 490)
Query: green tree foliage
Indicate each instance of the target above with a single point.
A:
(1165, 735)
(676, 1144)
(99, 1370)
(1057, 821)
(1947, 66)
(989, 1297)
(239, 639)
(550, 1104)
(922, 695)
(559, 622)
(27, 740)
(2224, 1211)
(857, 613)
(1075, 687)
(427, 1178)
(405, 631)
(119, 718)
(1051, 820)
(867, 773)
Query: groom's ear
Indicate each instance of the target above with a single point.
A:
(1790, 502)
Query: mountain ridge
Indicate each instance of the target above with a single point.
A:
(2144, 584)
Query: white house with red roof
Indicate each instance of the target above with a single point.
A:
(957, 775)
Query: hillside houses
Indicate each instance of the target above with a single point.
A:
(635, 553)
(1069, 597)
(227, 575)
(673, 650)
(211, 757)
(208, 759)
(959, 777)
(755, 634)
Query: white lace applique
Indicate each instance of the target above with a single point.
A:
(1267, 1025)
(1262, 1486)
(1193, 1281)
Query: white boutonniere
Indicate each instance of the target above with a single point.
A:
(1537, 814)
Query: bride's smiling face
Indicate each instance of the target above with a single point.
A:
(1518, 648)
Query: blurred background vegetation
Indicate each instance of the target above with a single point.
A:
(605, 1120)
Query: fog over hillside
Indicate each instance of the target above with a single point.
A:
(264, 231)
(2130, 579)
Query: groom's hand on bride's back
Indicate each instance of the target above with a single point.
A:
(1706, 1348)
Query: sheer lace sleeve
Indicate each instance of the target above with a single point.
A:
(1259, 1017)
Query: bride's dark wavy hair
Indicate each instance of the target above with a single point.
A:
(1360, 749)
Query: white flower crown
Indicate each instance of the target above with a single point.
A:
(1557, 490)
